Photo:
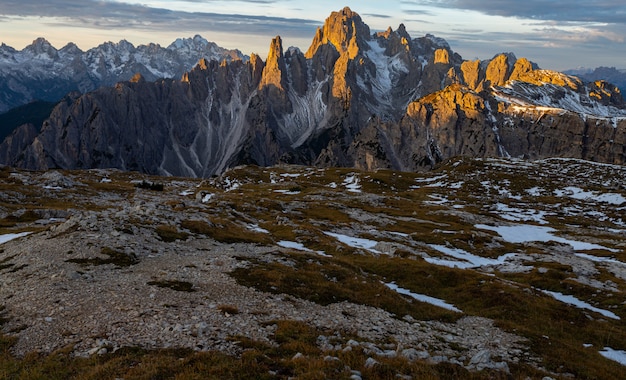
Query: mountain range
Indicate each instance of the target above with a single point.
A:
(41, 72)
(609, 74)
(353, 98)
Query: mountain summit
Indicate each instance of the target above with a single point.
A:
(381, 100)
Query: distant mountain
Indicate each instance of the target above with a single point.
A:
(41, 72)
(609, 74)
(356, 99)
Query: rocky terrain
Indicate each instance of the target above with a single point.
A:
(493, 267)
(354, 99)
(42, 72)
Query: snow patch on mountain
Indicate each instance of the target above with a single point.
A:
(550, 98)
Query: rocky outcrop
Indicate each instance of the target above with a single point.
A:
(372, 101)
(461, 121)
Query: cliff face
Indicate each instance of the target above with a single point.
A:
(459, 121)
(354, 98)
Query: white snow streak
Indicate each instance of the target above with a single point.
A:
(355, 242)
(423, 298)
(8, 237)
(527, 233)
(571, 300)
(615, 355)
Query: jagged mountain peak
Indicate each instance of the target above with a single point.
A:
(345, 30)
(40, 42)
(71, 48)
(42, 48)
(197, 42)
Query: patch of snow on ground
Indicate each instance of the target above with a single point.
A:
(8, 237)
(231, 185)
(578, 193)
(287, 192)
(423, 298)
(523, 233)
(615, 355)
(105, 180)
(438, 200)
(291, 175)
(292, 245)
(597, 259)
(518, 215)
(535, 191)
(469, 260)
(431, 179)
(571, 300)
(186, 192)
(352, 183)
(256, 228)
(436, 184)
(207, 198)
(401, 234)
(299, 247)
(355, 242)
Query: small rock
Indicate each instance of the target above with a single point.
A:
(297, 356)
(501, 366)
(371, 362)
(438, 359)
(412, 354)
(481, 357)
(388, 354)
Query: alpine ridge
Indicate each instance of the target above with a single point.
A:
(354, 98)
(41, 72)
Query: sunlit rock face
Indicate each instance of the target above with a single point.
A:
(354, 98)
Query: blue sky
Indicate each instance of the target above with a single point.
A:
(556, 34)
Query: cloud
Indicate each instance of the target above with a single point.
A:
(377, 15)
(109, 14)
(418, 12)
(608, 11)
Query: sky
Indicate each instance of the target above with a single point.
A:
(555, 34)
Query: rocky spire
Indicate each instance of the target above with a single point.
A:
(345, 30)
(274, 66)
